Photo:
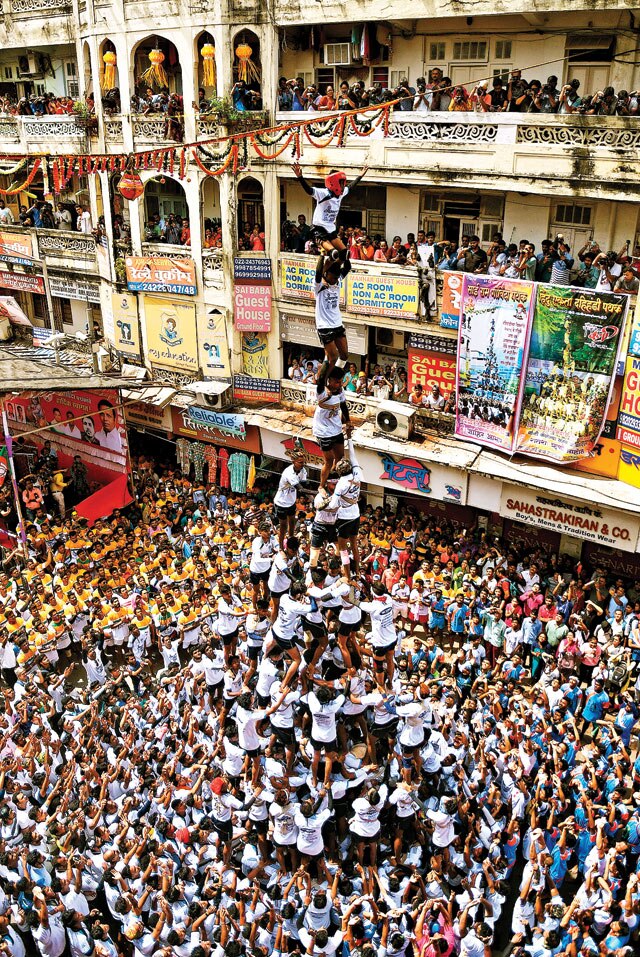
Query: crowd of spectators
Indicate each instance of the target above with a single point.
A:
(172, 786)
(172, 229)
(40, 104)
(42, 215)
(590, 266)
(437, 93)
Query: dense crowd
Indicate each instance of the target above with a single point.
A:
(41, 104)
(590, 266)
(222, 734)
(437, 93)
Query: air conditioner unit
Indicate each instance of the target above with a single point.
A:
(337, 54)
(390, 339)
(29, 65)
(395, 420)
(219, 399)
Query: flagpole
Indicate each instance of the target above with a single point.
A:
(14, 481)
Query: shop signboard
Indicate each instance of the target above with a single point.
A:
(248, 389)
(126, 328)
(227, 422)
(578, 519)
(16, 247)
(21, 281)
(431, 368)
(65, 287)
(405, 474)
(161, 274)
(252, 307)
(183, 425)
(255, 355)
(374, 295)
(254, 269)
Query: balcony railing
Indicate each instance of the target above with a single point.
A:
(165, 249)
(76, 251)
(29, 131)
(23, 9)
(212, 268)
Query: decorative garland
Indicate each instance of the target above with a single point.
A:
(27, 183)
(320, 133)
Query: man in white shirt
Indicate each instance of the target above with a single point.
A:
(6, 216)
(83, 224)
(284, 500)
(108, 436)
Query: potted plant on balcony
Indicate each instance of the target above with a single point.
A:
(236, 120)
(84, 117)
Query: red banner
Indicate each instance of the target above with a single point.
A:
(103, 502)
(85, 423)
(432, 368)
(21, 281)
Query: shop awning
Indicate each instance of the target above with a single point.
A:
(592, 489)
(21, 374)
(158, 396)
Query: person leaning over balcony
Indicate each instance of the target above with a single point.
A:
(547, 99)
(480, 100)
(346, 101)
(84, 224)
(6, 216)
(460, 101)
(497, 96)
(517, 89)
(422, 99)
(562, 264)
(472, 258)
(570, 101)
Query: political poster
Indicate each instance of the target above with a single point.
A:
(451, 298)
(126, 329)
(214, 347)
(492, 341)
(171, 333)
(84, 423)
(573, 349)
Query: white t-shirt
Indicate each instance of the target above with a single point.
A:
(365, 820)
(288, 486)
(247, 734)
(327, 305)
(279, 581)
(327, 207)
(383, 630)
(228, 621)
(443, 833)
(284, 823)
(346, 494)
(261, 554)
(323, 727)
(603, 284)
(327, 422)
(310, 840)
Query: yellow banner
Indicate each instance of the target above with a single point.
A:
(171, 333)
(255, 355)
(214, 347)
(126, 330)
(382, 295)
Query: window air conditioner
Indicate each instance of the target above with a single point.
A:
(29, 65)
(337, 54)
(395, 420)
(390, 339)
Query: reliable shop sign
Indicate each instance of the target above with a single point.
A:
(223, 421)
(591, 522)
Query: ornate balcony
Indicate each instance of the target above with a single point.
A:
(30, 9)
(41, 134)
(594, 155)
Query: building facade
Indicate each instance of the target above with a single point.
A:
(522, 174)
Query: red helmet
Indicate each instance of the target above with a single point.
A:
(336, 182)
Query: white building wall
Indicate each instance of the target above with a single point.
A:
(526, 217)
(403, 207)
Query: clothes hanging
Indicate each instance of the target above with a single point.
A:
(211, 458)
(251, 477)
(238, 470)
(223, 458)
(196, 454)
(182, 454)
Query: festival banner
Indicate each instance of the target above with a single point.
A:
(255, 355)
(605, 458)
(431, 368)
(575, 336)
(214, 347)
(492, 342)
(171, 333)
(85, 423)
(634, 338)
(126, 330)
(161, 274)
(375, 295)
(451, 299)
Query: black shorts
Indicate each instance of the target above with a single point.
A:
(327, 444)
(322, 534)
(284, 643)
(347, 527)
(279, 594)
(224, 829)
(320, 234)
(405, 823)
(345, 628)
(324, 745)
(285, 736)
(264, 700)
(252, 752)
(317, 629)
(379, 654)
(387, 730)
(283, 511)
(256, 577)
(227, 639)
(330, 335)
(253, 652)
(262, 827)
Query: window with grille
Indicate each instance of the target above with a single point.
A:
(503, 50)
(437, 51)
(8, 73)
(376, 222)
(430, 202)
(71, 68)
(470, 50)
(503, 73)
(573, 215)
(325, 76)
